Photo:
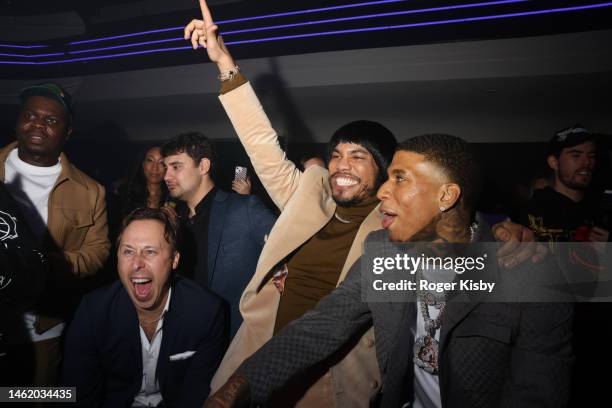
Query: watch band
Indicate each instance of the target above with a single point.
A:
(229, 74)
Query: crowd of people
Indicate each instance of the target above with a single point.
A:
(218, 302)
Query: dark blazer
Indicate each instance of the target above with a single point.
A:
(491, 354)
(103, 351)
(236, 232)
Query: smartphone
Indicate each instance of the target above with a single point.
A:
(240, 173)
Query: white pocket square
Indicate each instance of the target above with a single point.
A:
(182, 356)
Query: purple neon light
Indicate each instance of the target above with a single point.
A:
(369, 16)
(22, 46)
(127, 45)
(125, 54)
(115, 37)
(337, 32)
(19, 63)
(237, 20)
(427, 23)
(379, 15)
(33, 55)
(317, 10)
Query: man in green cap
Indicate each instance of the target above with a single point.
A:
(66, 211)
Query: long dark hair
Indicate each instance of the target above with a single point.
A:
(135, 194)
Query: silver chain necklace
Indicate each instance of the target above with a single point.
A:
(426, 351)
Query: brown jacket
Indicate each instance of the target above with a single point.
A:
(77, 219)
(306, 205)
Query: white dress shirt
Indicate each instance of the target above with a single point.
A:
(149, 395)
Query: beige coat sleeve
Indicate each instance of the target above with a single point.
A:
(278, 174)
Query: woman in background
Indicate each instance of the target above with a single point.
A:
(146, 186)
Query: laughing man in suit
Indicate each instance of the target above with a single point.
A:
(151, 339)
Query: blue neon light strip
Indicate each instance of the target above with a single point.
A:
(55, 54)
(227, 33)
(335, 20)
(125, 54)
(19, 63)
(127, 45)
(423, 24)
(318, 10)
(116, 37)
(379, 15)
(22, 46)
(338, 32)
(238, 20)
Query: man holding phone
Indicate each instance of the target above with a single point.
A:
(242, 182)
(223, 233)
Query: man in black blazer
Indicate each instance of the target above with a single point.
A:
(152, 339)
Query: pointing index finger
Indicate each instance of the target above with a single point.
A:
(205, 12)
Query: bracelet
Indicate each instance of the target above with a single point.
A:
(230, 74)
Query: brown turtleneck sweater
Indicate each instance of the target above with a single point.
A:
(315, 267)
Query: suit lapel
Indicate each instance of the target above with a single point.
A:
(398, 366)
(127, 322)
(215, 230)
(169, 333)
(460, 304)
(456, 310)
(401, 323)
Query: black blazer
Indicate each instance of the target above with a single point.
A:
(491, 354)
(103, 352)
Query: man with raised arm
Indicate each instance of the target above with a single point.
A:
(325, 216)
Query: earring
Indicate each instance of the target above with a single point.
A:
(442, 209)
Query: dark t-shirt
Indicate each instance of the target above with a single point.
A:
(556, 218)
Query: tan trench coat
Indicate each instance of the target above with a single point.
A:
(306, 205)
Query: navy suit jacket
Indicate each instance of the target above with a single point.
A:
(236, 231)
(103, 351)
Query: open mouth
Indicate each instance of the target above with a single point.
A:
(388, 218)
(345, 181)
(142, 287)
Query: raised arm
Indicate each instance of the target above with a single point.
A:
(278, 174)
